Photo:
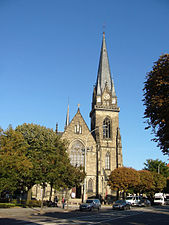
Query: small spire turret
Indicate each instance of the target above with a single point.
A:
(67, 118)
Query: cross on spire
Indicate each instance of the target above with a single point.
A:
(104, 27)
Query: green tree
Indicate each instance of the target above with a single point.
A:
(68, 176)
(157, 166)
(15, 167)
(49, 158)
(123, 178)
(156, 100)
(46, 152)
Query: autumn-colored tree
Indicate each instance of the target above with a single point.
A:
(146, 182)
(15, 167)
(123, 179)
(166, 189)
(159, 182)
(156, 100)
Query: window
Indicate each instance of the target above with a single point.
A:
(106, 128)
(77, 154)
(90, 185)
(107, 162)
(78, 129)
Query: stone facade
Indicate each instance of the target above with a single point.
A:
(103, 141)
(79, 137)
(99, 150)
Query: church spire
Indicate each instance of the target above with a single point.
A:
(104, 74)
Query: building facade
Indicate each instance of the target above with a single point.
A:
(98, 149)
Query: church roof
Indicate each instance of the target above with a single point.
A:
(104, 74)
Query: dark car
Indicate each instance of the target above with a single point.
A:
(121, 204)
(144, 203)
(109, 199)
(90, 205)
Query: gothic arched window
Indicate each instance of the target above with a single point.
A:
(90, 185)
(78, 129)
(107, 161)
(106, 128)
(77, 153)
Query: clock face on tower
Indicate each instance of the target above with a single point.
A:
(106, 96)
(114, 101)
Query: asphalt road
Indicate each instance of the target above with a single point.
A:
(158, 215)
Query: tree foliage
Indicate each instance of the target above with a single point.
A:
(146, 182)
(159, 181)
(49, 157)
(15, 167)
(156, 100)
(123, 179)
(33, 154)
(130, 180)
(157, 166)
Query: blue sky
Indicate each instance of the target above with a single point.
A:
(49, 53)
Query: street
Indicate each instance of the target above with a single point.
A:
(152, 215)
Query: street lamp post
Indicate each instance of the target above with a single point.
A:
(159, 167)
(84, 190)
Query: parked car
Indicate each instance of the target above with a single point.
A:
(144, 202)
(121, 204)
(133, 200)
(159, 199)
(97, 197)
(90, 205)
(166, 199)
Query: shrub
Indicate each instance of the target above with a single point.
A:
(6, 205)
(33, 203)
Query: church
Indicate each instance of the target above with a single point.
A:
(99, 149)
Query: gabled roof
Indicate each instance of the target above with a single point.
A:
(70, 134)
(79, 115)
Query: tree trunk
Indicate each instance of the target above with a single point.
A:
(43, 191)
(67, 197)
(51, 188)
(117, 197)
(29, 194)
(124, 195)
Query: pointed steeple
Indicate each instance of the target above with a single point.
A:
(104, 74)
(67, 118)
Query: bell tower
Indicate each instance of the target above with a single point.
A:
(105, 123)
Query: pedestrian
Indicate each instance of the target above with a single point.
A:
(56, 201)
(63, 203)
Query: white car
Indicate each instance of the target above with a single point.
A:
(159, 199)
(133, 200)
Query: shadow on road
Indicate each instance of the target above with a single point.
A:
(6, 221)
(151, 216)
